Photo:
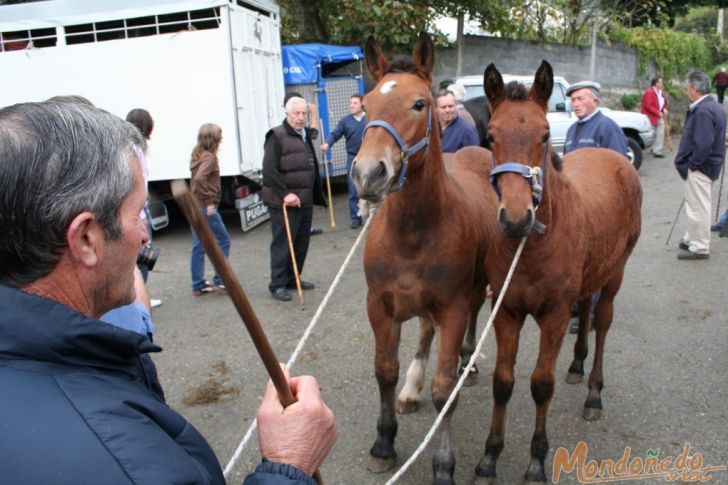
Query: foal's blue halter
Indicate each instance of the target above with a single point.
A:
(535, 175)
(406, 152)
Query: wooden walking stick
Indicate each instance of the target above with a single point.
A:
(667, 132)
(679, 209)
(189, 208)
(293, 256)
(328, 190)
(315, 124)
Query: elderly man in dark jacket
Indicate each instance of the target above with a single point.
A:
(291, 177)
(81, 402)
(699, 161)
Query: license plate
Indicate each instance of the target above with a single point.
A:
(253, 211)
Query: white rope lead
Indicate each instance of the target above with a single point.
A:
(464, 376)
(302, 340)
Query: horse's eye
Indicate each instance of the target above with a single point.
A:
(546, 137)
(490, 139)
(419, 105)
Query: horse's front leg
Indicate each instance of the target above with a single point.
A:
(382, 456)
(603, 314)
(581, 346)
(507, 331)
(409, 399)
(452, 322)
(476, 302)
(553, 328)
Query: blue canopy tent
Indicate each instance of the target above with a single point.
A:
(326, 75)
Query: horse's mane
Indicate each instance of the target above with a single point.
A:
(401, 64)
(516, 91)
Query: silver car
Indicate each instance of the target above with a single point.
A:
(636, 127)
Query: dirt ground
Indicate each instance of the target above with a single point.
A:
(665, 365)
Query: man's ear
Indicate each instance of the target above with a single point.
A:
(84, 236)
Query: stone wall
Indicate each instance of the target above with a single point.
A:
(616, 66)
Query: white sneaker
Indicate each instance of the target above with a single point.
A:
(154, 302)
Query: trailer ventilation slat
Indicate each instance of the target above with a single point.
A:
(143, 26)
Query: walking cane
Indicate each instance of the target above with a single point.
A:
(720, 192)
(293, 256)
(184, 200)
(667, 132)
(326, 172)
(675, 221)
(328, 190)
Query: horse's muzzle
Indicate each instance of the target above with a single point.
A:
(515, 229)
(371, 180)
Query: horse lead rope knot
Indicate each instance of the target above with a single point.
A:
(405, 151)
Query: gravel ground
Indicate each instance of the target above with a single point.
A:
(665, 366)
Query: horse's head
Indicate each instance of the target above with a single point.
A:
(399, 119)
(518, 133)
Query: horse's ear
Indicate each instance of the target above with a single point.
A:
(543, 84)
(493, 85)
(375, 60)
(424, 55)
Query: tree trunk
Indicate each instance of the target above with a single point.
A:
(593, 60)
(460, 41)
(308, 19)
(720, 22)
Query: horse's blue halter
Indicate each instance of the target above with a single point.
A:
(535, 175)
(406, 152)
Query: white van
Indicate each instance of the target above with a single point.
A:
(636, 127)
(187, 62)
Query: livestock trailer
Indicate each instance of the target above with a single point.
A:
(188, 62)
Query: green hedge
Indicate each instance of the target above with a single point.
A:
(674, 53)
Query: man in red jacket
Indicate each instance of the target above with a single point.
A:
(654, 105)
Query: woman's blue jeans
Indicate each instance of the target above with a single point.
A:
(197, 263)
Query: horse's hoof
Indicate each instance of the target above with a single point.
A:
(592, 414)
(381, 465)
(471, 380)
(409, 406)
(572, 378)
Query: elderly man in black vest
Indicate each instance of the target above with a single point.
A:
(290, 176)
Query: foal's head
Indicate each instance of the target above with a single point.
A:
(400, 105)
(519, 137)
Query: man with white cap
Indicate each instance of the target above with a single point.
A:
(593, 129)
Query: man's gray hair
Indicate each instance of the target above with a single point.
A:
(699, 81)
(58, 160)
(292, 102)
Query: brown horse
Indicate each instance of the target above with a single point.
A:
(426, 244)
(583, 220)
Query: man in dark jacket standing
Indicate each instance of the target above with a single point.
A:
(592, 128)
(81, 401)
(291, 177)
(350, 127)
(699, 161)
